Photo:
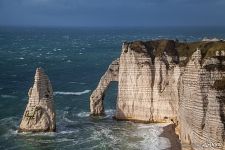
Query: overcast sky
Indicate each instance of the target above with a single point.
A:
(112, 12)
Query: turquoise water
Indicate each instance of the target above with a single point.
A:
(74, 59)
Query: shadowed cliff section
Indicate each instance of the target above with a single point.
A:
(174, 82)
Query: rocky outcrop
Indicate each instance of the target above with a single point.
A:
(97, 97)
(169, 81)
(39, 115)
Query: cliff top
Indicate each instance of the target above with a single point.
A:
(174, 48)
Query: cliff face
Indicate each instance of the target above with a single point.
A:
(201, 107)
(168, 81)
(147, 84)
(39, 115)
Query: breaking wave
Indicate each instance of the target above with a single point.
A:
(151, 138)
(72, 93)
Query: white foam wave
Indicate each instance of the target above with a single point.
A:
(151, 137)
(108, 112)
(72, 93)
(83, 114)
(64, 140)
(67, 132)
(78, 83)
(48, 134)
(49, 53)
(9, 119)
(10, 133)
(8, 96)
(105, 134)
(68, 120)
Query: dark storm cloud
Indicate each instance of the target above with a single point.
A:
(112, 12)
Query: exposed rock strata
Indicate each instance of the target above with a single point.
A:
(168, 81)
(147, 84)
(39, 115)
(202, 109)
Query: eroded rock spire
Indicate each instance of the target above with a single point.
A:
(39, 115)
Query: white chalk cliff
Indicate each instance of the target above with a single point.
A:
(169, 81)
(39, 115)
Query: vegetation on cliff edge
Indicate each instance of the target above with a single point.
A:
(157, 48)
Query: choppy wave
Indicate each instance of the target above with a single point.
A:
(8, 96)
(108, 112)
(72, 93)
(81, 83)
(68, 120)
(30, 134)
(9, 126)
(68, 132)
(83, 114)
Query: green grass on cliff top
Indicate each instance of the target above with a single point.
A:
(208, 49)
(172, 48)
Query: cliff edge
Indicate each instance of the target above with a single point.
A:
(171, 81)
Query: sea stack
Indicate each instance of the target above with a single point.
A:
(39, 115)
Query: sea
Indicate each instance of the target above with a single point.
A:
(75, 59)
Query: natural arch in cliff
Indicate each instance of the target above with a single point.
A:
(110, 99)
(97, 97)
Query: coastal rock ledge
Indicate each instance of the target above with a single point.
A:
(170, 81)
(39, 115)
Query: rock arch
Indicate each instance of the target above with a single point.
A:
(97, 97)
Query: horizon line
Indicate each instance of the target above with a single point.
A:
(122, 26)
